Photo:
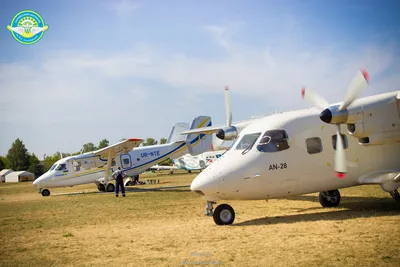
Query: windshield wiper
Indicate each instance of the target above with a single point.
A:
(247, 149)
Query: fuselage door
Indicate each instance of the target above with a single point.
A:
(126, 161)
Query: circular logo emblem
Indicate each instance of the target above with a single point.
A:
(27, 27)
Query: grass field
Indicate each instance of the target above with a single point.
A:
(166, 227)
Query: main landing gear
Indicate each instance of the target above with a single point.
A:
(223, 214)
(106, 188)
(395, 195)
(329, 198)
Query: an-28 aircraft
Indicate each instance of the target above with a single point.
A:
(97, 166)
(292, 153)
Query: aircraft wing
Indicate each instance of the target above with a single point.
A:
(111, 151)
(121, 147)
(380, 177)
(213, 129)
(205, 130)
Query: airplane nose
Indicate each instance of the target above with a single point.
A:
(203, 185)
(38, 181)
(35, 183)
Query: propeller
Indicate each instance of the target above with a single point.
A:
(228, 107)
(338, 114)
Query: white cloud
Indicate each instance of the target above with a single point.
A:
(124, 8)
(91, 89)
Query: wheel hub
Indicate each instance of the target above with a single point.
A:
(225, 215)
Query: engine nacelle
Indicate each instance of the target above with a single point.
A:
(227, 133)
(378, 124)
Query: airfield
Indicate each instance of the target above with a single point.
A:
(163, 225)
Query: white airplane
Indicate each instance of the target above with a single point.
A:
(191, 163)
(200, 162)
(291, 153)
(95, 166)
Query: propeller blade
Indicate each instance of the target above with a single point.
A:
(228, 107)
(356, 86)
(340, 156)
(314, 98)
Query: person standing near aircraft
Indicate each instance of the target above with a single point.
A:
(119, 176)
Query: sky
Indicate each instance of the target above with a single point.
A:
(120, 69)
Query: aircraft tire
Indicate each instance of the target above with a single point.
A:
(101, 187)
(45, 192)
(224, 215)
(189, 171)
(332, 200)
(110, 187)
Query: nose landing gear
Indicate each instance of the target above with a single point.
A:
(45, 192)
(209, 208)
(223, 214)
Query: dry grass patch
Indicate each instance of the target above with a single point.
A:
(166, 227)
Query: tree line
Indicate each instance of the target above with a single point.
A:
(19, 159)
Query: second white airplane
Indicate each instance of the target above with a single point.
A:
(97, 166)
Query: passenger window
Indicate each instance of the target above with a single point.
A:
(247, 141)
(274, 141)
(314, 145)
(113, 163)
(126, 161)
(344, 140)
(77, 166)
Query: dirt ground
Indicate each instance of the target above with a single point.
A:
(164, 225)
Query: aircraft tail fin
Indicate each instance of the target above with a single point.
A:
(177, 129)
(199, 143)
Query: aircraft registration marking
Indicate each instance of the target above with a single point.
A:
(279, 166)
(150, 154)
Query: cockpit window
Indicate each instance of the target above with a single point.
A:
(274, 141)
(61, 167)
(53, 167)
(247, 141)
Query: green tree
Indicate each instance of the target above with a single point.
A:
(35, 166)
(163, 141)
(5, 162)
(88, 147)
(2, 164)
(149, 142)
(17, 156)
(103, 143)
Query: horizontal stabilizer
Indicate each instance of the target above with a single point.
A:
(176, 132)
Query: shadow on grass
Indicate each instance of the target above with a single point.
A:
(354, 207)
(161, 189)
(133, 190)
